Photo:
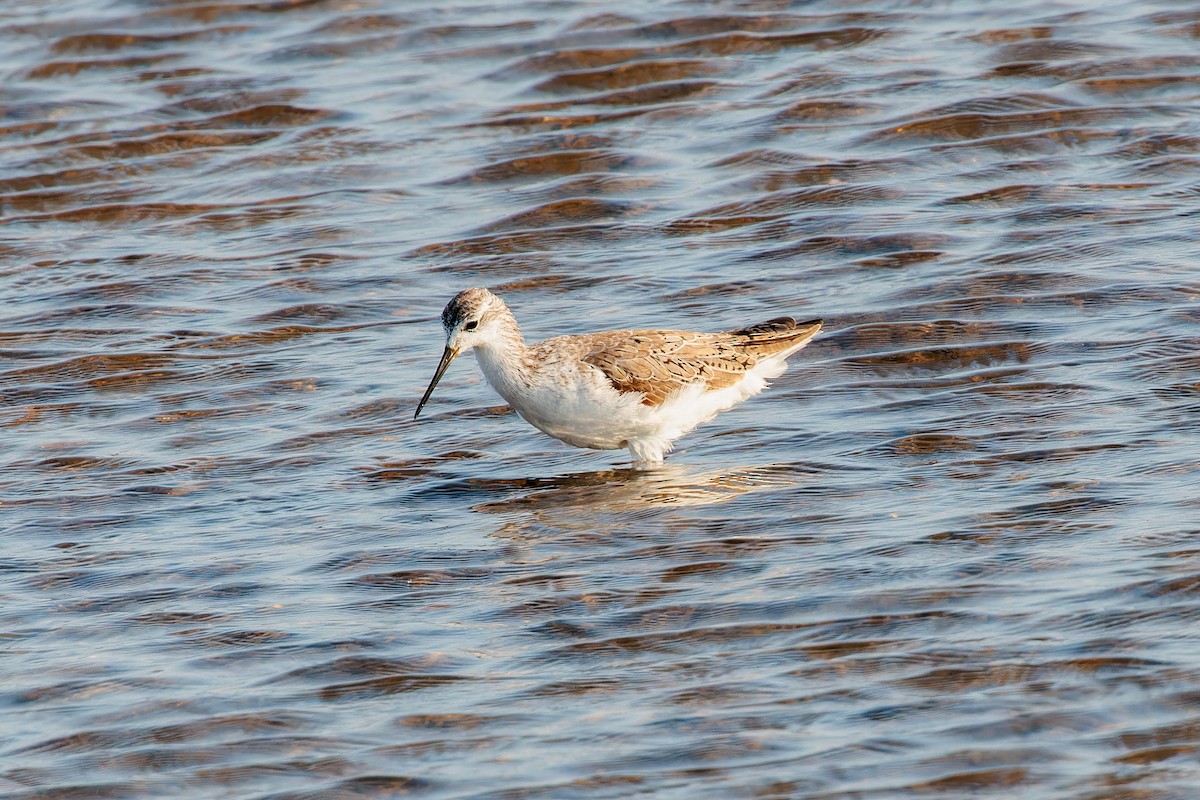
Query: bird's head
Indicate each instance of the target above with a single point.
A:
(472, 318)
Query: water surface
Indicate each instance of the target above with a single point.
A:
(950, 553)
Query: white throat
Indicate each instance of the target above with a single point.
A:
(503, 363)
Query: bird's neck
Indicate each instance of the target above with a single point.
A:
(505, 360)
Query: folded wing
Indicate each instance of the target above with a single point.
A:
(660, 363)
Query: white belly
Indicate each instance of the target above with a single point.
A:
(580, 407)
(579, 413)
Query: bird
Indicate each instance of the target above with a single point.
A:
(635, 389)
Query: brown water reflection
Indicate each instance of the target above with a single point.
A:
(950, 553)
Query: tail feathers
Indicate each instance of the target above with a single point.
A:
(781, 336)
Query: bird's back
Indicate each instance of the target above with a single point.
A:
(659, 363)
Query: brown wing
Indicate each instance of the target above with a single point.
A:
(659, 363)
(776, 336)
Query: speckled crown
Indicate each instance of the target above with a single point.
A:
(466, 304)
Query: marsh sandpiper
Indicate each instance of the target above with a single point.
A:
(640, 389)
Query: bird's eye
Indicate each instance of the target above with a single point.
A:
(470, 326)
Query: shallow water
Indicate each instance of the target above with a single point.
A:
(950, 553)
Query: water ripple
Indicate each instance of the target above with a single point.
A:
(950, 552)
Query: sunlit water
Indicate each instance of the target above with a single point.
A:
(952, 552)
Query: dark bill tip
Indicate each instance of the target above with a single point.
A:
(448, 355)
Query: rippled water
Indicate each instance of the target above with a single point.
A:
(951, 553)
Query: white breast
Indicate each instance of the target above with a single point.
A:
(569, 401)
(575, 402)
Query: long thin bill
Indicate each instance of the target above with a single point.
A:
(448, 355)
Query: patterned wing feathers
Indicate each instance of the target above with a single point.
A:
(660, 363)
(776, 336)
